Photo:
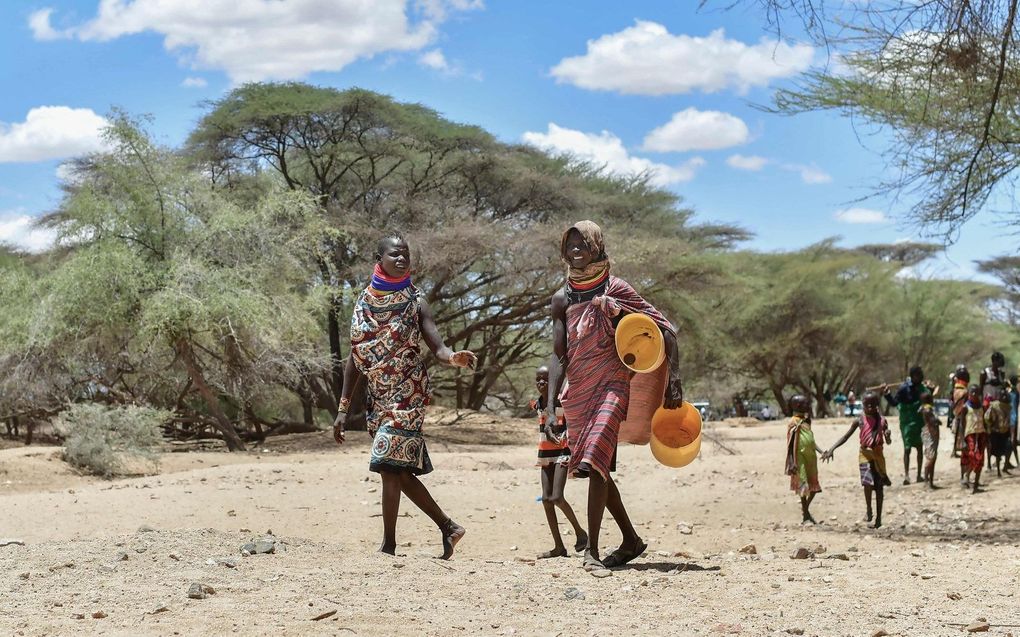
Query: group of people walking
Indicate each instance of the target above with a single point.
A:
(584, 391)
(982, 419)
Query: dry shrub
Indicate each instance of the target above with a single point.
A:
(106, 441)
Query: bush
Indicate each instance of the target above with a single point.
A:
(102, 440)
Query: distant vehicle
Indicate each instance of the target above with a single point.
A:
(762, 411)
(705, 409)
(942, 406)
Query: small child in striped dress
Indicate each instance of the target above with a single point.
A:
(553, 456)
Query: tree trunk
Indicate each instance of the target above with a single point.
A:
(740, 409)
(308, 416)
(336, 357)
(222, 423)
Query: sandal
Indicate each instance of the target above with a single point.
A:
(560, 552)
(591, 563)
(622, 556)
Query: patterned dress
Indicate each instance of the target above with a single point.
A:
(385, 343)
(975, 439)
(930, 435)
(598, 392)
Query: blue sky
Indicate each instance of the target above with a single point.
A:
(635, 85)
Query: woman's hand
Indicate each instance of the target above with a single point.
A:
(827, 455)
(674, 395)
(464, 358)
(551, 424)
(338, 428)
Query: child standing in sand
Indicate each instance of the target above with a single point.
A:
(873, 431)
(390, 318)
(975, 438)
(801, 460)
(997, 425)
(929, 438)
(553, 457)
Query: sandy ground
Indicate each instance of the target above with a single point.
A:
(944, 558)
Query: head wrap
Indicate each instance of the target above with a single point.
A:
(597, 272)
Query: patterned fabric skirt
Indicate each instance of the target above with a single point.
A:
(400, 446)
(872, 466)
(930, 441)
(973, 456)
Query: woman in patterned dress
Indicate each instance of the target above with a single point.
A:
(585, 313)
(390, 319)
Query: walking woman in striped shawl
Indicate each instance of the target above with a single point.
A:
(585, 313)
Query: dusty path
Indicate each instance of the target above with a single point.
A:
(322, 503)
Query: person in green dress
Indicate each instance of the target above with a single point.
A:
(801, 455)
(908, 399)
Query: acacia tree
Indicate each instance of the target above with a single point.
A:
(175, 293)
(1006, 268)
(483, 216)
(943, 78)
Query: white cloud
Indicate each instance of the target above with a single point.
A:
(434, 60)
(51, 132)
(809, 174)
(813, 175)
(194, 82)
(746, 162)
(39, 22)
(646, 59)
(267, 39)
(606, 149)
(860, 216)
(18, 229)
(691, 129)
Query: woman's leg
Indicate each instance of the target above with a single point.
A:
(549, 501)
(615, 505)
(879, 496)
(417, 493)
(390, 510)
(598, 493)
(867, 501)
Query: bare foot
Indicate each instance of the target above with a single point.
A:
(388, 549)
(556, 552)
(876, 525)
(452, 533)
(869, 517)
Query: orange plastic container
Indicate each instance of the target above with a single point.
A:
(639, 343)
(676, 435)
